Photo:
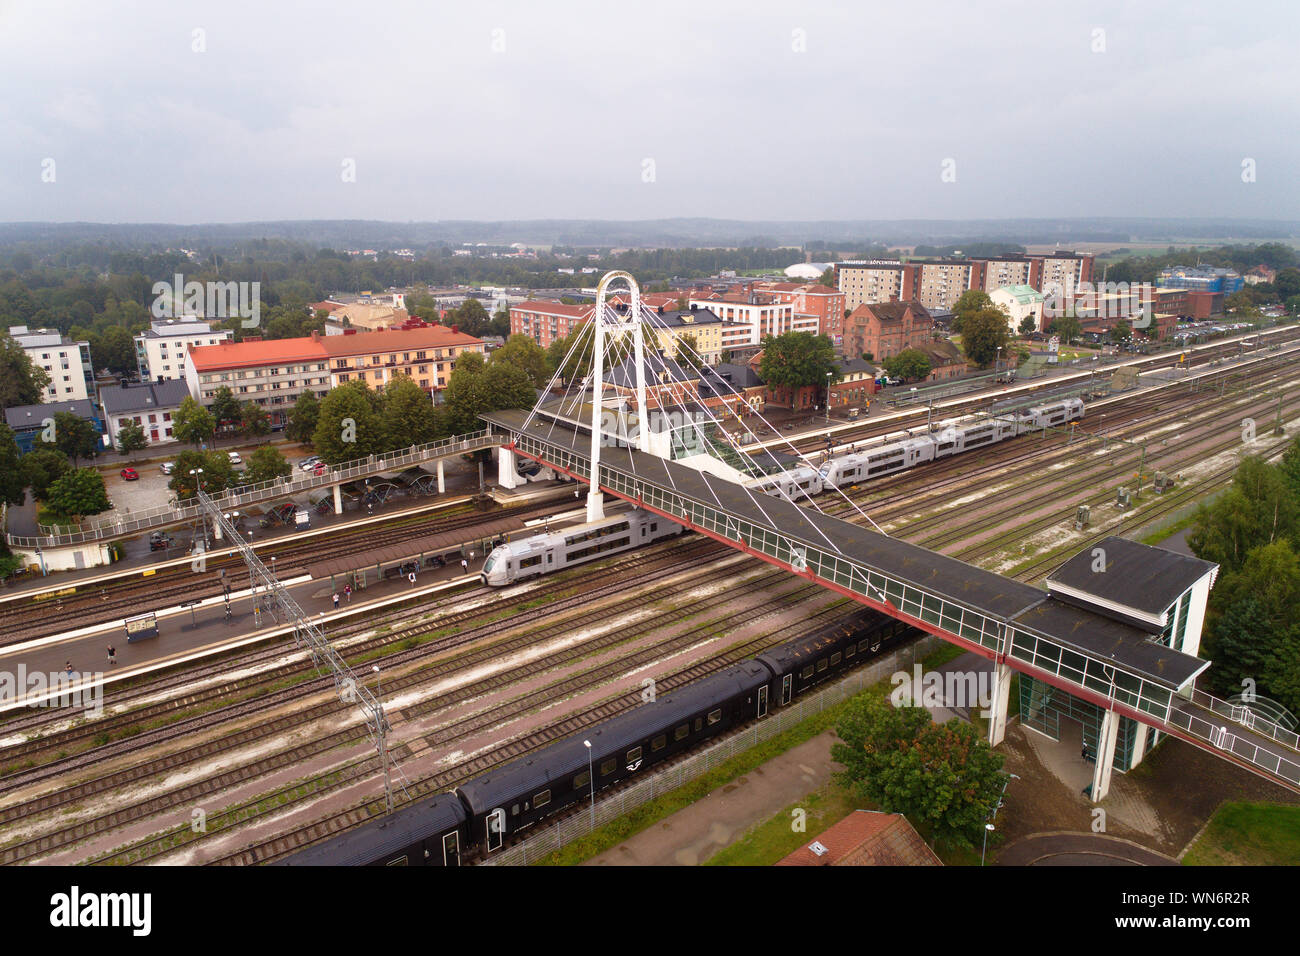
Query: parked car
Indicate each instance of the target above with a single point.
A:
(234, 458)
(159, 541)
(167, 467)
(309, 464)
(130, 474)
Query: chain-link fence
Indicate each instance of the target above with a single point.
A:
(578, 824)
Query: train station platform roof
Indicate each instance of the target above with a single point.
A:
(440, 543)
(1011, 602)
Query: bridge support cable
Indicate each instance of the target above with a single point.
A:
(269, 592)
(702, 375)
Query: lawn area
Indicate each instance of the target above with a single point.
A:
(776, 839)
(1249, 834)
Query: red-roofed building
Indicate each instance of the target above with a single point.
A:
(866, 838)
(544, 322)
(274, 372)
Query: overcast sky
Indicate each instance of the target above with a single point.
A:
(619, 109)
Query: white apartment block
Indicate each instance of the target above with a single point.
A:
(160, 351)
(72, 376)
(747, 322)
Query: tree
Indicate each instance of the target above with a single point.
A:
(78, 493)
(1257, 509)
(218, 473)
(303, 418)
(571, 355)
(983, 332)
(253, 420)
(474, 388)
(1287, 283)
(408, 414)
(349, 425)
(796, 360)
(1240, 303)
(827, 278)
(1028, 325)
(22, 382)
(909, 365)
(266, 463)
(1067, 327)
(193, 423)
(225, 409)
(114, 349)
(41, 467)
(943, 777)
(1121, 331)
(688, 350)
(75, 437)
(523, 351)
(968, 304)
(12, 477)
(131, 438)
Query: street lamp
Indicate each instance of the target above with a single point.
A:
(988, 827)
(591, 782)
(379, 684)
(828, 397)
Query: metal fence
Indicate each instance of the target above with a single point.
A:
(1224, 739)
(51, 537)
(1248, 718)
(578, 824)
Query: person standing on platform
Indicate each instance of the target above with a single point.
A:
(336, 600)
(464, 566)
(112, 654)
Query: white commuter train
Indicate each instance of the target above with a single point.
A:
(557, 550)
(905, 453)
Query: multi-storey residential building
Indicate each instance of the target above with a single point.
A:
(273, 373)
(1200, 279)
(72, 376)
(705, 327)
(997, 272)
(755, 315)
(151, 405)
(30, 423)
(1061, 270)
(160, 351)
(545, 322)
(869, 280)
(426, 355)
(824, 303)
(887, 328)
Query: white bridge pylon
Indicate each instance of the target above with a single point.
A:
(609, 326)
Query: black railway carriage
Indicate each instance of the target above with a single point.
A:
(427, 833)
(511, 798)
(802, 664)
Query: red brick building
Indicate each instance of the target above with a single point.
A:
(544, 322)
(887, 328)
(866, 838)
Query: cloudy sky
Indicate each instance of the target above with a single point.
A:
(234, 111)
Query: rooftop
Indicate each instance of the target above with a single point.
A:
(866, 838)
(145, 396)
(33, 416)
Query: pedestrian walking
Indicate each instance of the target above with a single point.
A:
(112, 654)
(1085, 751)
(411, 577)
(347, 591)
(336, 600)
(68, 667)
(464, 566)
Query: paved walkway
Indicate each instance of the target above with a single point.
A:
(1080, 849)
(695, 833)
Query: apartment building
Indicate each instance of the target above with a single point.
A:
(426, 355)
(869, 280)
(753, 316)
(160, 350)
(544, 322)
(72, 376)
(937, 284)
(1020, 302)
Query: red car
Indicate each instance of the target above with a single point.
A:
(129, 474)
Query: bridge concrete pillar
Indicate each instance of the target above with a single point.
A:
(595, 505)
(1106, 739)
(1140, 741)
(442, 482)
(507, 474)
(216, 530)
(1002, 675)
(338, 499)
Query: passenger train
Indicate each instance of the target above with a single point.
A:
(481, 815)
(547, 553)
(887, 459)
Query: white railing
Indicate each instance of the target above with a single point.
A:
(292, 484)
(552, 837)
(1240, 714)
(1222, 738)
